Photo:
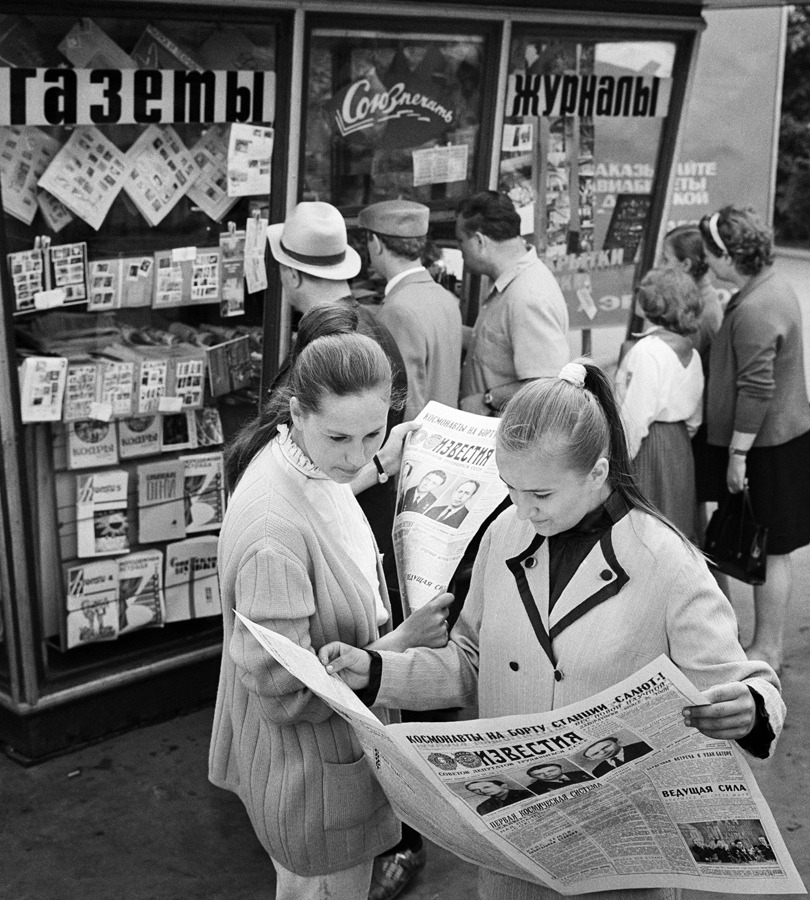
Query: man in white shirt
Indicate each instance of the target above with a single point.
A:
(424, 318)
(522, 326)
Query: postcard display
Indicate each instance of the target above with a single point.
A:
(135, 178)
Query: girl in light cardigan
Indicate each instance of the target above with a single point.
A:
(575, 587)
(297, 555)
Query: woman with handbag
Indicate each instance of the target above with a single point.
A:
(576, 586)
(757, 410)
(297, 555)
(659, 387)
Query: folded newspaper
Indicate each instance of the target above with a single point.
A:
(611, 793)
(448, 485)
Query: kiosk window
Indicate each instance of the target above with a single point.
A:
(582, 127)
(392, 115)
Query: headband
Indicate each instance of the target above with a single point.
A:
(574, 373)
(715, 233)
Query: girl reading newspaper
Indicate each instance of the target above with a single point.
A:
(576, 586)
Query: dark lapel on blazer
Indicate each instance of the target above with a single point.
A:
(590, 576)
(516, 567)
(619, 579)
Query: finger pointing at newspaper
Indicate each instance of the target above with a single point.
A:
(729, 714)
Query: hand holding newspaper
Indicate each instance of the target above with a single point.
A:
(448, 485)
(613, 792)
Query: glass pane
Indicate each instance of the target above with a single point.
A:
(582, 128)
(392, 115)
(127, 267)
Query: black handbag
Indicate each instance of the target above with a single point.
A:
(735, 543)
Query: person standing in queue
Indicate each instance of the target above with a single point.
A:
(423, 318)
(575, 587)
(521, 331)
(757, 413)
(297, 555)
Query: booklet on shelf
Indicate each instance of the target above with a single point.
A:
(102, 523)
(140, 590)
(91, 443)
(91, 604)
(139, 436)
(161, 512)
(191, 586)
(204, 491)
(42, 388)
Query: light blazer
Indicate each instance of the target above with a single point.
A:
(640, 592)
(425, 321)
(312, 799)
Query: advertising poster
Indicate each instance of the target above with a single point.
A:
(738, 67)
(582, 128)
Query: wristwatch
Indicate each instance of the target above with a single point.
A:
(488, 401)
(382, 475)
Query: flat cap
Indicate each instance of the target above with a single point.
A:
(396, 218)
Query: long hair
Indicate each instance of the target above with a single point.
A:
(339, 363)
(584, 422)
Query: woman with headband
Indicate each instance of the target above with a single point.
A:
(576, 586)
(757, 412)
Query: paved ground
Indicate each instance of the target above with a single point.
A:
(134, 817)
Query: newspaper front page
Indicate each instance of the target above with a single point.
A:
(611, 793)
(448, 485)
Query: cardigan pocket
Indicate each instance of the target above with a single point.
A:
(351, 794)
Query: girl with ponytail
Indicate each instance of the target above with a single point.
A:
(576, 586)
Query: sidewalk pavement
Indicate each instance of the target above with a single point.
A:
(134, 818)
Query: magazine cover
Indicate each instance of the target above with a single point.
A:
(140, 590)
(91, 605)
(192, 584)
(204, 492)
(91, 443)
(161, 514)
(102, 525)
(140, 436)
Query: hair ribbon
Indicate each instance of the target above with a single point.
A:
(715, 233)
(574, 373)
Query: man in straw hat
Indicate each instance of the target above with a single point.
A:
(315, 264)
(424, 318)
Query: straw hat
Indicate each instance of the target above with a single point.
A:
(313, 240)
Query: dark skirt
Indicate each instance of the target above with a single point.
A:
(779, 486)
(665, 471)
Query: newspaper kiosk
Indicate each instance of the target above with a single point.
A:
(143, 149)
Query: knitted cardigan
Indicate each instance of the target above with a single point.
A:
(312, 798)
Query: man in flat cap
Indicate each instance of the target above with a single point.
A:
(422, 316)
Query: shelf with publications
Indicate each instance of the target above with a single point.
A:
(136, 161)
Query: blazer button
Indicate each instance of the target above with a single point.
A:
(530, 563)
(558, 675)
(606, 575)
(514, 666)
